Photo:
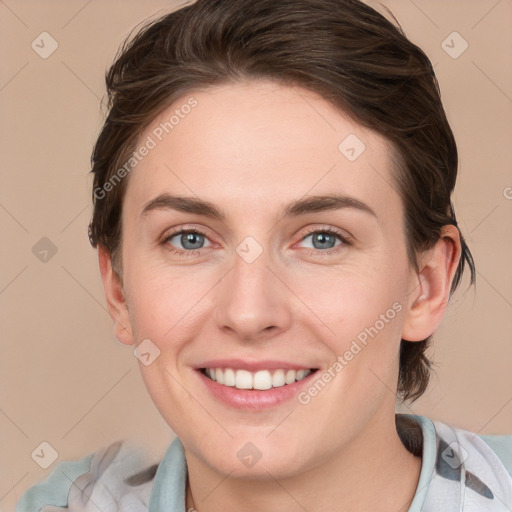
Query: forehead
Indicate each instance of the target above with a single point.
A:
(244, 145)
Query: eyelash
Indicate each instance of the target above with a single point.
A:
(193, 252)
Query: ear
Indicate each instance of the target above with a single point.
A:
(116, 302)
(431, 284)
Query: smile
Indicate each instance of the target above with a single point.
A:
(260, 380)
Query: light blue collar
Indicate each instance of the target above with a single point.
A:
(168, 493)
(428, 461)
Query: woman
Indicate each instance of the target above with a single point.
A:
(276, 238)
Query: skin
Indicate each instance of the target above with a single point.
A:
(243, 146)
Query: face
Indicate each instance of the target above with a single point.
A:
(277, 283)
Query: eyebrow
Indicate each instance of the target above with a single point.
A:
(310, 204)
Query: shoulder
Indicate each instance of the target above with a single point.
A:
(491, 447)
(502, 446)
(119, 474)
(497, 450)
(458, 466)
(54, 489)
(483, 462)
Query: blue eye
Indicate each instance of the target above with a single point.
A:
(324, 239)
(191, 240)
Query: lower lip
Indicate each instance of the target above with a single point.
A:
(254, 399)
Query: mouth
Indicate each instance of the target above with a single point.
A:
(261, 380)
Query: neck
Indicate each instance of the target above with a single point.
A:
(376, 472)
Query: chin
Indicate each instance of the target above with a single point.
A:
(256, 456)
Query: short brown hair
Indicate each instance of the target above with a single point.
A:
(341, 49)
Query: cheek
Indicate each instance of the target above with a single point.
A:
(163, 309)
(359, 315)
(347, 301)
(164, 302)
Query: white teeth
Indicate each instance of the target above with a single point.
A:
(278, 379)
(243, 379)
(260, 380)
(290, 376)
(229, 377)
(300, 375)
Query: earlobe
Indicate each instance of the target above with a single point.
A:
(431, 284)
(114, 295)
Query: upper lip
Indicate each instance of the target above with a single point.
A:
(252, 365)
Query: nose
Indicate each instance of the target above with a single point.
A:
(252, 302)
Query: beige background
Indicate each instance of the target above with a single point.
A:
(65, 379)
